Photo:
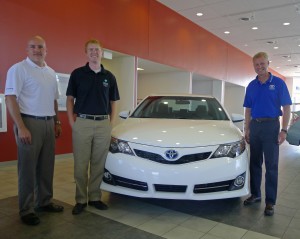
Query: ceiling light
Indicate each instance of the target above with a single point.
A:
(199, 14)
(275, 47)
(246, 19)
(227, 32)
(254, 28)
(286, 23)
(277, 67)
(140, 69)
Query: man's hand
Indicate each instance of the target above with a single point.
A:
(281, 137)
(58, 130)
(24, 135)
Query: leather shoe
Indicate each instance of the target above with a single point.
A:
(51, 207)
(30, 219)
(78, 208)
(251, 200)
(98, 204)
(269, 210)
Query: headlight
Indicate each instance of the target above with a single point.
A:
(119, 146)
(230, 150)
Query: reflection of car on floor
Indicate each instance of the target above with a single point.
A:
(177, 147)
(293, 135)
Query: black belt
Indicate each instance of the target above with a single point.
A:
(265, 119)
(93, 117)
(37, 117)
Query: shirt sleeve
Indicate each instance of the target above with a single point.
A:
(71, 86)
(14, 80)
(285, 95)
(114, 91)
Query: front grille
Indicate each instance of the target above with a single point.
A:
(213, 187)
(127, 183)
(182, 160)
(170, 188)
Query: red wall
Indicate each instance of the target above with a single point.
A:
(143, 28)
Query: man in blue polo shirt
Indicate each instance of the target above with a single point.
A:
(267, 98)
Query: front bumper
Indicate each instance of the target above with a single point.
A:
(200, 180)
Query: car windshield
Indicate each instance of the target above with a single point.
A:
(180, 107)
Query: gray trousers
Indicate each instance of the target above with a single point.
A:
(36, 165)
(91, 141)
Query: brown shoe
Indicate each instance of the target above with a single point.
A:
(251, 200)
(269, 210)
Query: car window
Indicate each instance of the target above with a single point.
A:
(180, 107)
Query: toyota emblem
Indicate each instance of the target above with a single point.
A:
(171, 154)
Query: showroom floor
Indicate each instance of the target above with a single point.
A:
(136, 218)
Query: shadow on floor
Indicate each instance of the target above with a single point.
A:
(63, 225)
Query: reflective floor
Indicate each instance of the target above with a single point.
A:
(135, 218)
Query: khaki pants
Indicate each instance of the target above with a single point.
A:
(91, 141)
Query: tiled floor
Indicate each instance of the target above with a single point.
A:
(136, 218)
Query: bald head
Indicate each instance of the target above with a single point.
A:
(36, 50)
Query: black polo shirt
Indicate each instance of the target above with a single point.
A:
(92, 91)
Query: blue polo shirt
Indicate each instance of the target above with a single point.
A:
(265, 100)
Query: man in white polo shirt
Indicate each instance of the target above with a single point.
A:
(31, 96)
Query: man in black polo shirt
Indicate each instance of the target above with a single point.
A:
(91, 105)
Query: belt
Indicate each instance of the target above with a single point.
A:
(92, 117)
(265, 119)
(37, 117)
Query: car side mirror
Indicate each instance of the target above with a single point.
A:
(124, 114)
(237, 118)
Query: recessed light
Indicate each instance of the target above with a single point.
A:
(277, 67)
(286, 23)
(140, 69)
(227, 32)
(199, 14)
(254, 28)
(276, 47)
(246, 19)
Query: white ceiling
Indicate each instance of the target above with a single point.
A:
(267, 15)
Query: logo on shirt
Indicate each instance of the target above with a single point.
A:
(271, 87)
(105, 83)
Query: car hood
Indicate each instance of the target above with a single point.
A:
(177, 133)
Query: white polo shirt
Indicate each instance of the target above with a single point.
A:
(35, 87)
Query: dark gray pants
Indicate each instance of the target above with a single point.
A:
(36, 165)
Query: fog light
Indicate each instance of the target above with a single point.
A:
(238, 183)
(108, 178)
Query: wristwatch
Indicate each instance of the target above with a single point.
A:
(284, 130)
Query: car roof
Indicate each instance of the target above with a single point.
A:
(181, 94)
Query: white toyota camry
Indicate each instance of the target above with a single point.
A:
(177, 147)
